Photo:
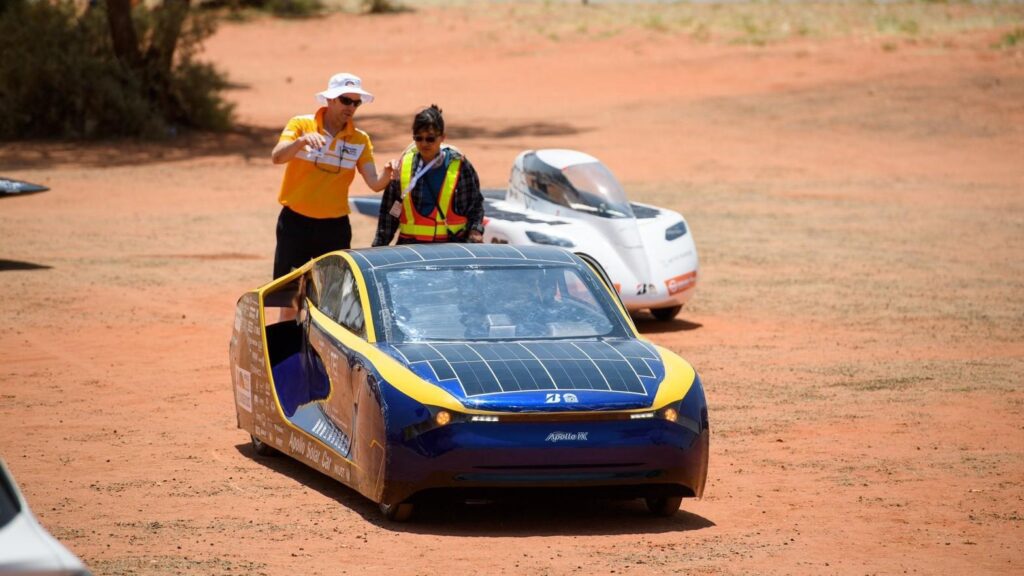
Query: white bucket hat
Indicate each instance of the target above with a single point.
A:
(343, 83)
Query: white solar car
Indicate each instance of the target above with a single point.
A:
(570, 199)
(26, 548)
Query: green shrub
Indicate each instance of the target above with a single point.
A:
(294, 8)
(382, 6)
(1011, 39)
(59, 78)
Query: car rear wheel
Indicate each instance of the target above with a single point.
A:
(665, 314)
(261, 448)
(400, 512)
(664, 506)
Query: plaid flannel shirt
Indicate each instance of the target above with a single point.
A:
(466, 200)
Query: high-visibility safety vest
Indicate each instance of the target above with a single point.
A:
(440, 224)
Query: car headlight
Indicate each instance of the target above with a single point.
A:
(542, 238)
(676, 230)
(669, 413)
(436, 418)
(674, 413)
(441, 417)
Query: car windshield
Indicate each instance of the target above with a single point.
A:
(588, 187)
(495, 303)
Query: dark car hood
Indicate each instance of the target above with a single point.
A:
(549, 375)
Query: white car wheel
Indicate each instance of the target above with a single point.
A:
(666, 314)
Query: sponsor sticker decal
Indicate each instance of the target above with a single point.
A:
(243, 389)
(555, 398)
(679, 283)
(555, 437)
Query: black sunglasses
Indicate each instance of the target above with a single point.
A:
(428, 139)
(350, 102)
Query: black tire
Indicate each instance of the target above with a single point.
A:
(666, 314)
(400, 512)
(664, 506)
(261, 448)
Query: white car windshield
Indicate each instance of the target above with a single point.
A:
(495, 303)
(597, 191)
(590, 187)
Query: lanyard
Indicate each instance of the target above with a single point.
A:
(423, 169)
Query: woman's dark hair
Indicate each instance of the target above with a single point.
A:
(428, 118)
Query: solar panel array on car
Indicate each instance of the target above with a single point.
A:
(496, 367)
(439, 253)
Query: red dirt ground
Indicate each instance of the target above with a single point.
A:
(858, 204)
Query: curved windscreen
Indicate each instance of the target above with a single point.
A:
(495, 303)
(589, 187)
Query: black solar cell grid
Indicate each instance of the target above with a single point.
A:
(418, 253)
(420, 352)
(621, 372)
(490, 368)
(555, 350)
(496, 251)
(439, 251)
(639, 365)
(532, 375)
(546, 253)
(636, 348)
(599, 350)
(476, 378)
(506, 375)
(458, 352)
(443, 369)
(504, 351)
(385, 256)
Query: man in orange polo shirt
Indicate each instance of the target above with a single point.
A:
(322, 151)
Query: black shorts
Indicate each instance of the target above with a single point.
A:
(301, 238)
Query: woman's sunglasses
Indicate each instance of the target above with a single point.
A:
(427, 139)
(350, 102)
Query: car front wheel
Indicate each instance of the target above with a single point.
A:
(664, 506)
(261, 448)
(400, 512)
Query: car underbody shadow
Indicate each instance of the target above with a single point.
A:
(314, 480)
(534, 512)
(648, 325)
(540, 512)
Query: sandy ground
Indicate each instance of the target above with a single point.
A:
(858, 203)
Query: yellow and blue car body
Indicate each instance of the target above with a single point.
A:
(466, 369)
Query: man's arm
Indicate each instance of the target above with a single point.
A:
(376, 182)
(287, 149)
(387, 224)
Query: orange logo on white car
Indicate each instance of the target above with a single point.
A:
(680, 283)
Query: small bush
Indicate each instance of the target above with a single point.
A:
(890, 24)
(294, 8)
(1011, 39)
(59, 78)
(382, 6)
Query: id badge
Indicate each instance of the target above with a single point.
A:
(396, 209)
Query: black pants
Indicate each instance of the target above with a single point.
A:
(301, 238)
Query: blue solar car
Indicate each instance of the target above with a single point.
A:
(466, 369)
